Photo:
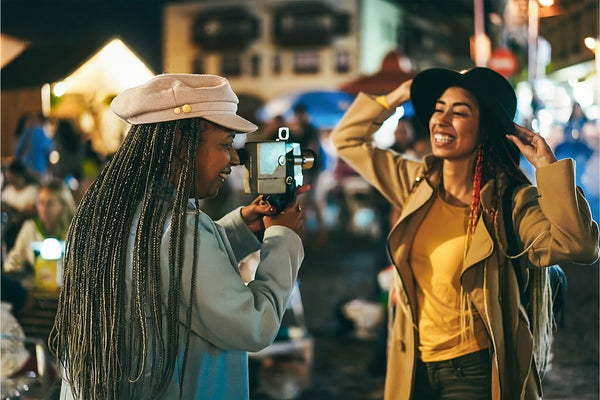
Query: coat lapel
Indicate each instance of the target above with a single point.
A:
(481, 247)
(398, 248)
(482, 243)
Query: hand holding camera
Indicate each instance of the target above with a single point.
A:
(291, 216)
(254, 212)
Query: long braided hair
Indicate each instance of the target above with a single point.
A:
(497, 159)
(116, 340)
(502, 159)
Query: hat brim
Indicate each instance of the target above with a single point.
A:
(233, 122)
(491, 89)
(226, 119)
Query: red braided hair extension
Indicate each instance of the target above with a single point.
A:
(474, 213)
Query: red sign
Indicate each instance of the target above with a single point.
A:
(504, 62)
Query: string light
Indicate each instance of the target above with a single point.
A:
(546, 3)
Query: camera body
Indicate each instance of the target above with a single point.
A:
(274, 168)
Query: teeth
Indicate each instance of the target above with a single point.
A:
(443, 138)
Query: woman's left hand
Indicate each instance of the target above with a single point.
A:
(532, 146)
(253, 213)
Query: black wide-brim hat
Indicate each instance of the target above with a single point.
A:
(491, 89)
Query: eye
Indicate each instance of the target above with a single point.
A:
(461, 110)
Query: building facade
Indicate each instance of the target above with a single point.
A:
(269, 47)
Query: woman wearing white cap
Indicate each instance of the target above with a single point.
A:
(153, 305)
(459, 331)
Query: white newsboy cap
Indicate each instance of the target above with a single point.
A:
(168, 97)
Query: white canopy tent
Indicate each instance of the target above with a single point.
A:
(114, 68)
(85, 94)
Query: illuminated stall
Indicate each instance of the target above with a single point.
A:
(85, 95)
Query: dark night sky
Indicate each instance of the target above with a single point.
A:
(138, 22)
(74, 20)
(65, 29)
(64, 33)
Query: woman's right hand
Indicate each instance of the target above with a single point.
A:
(399, 95)
(291, 216)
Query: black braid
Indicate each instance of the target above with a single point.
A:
(104, 341)
(501, 157)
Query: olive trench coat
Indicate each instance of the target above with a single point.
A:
(552, 221)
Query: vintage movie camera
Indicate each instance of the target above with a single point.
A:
(274, 168)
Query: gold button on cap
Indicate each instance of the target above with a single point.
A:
(186, 108)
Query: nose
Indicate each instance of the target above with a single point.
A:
(441, 118)
(235, 158)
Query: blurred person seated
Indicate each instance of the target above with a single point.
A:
(13, 354)
(19, 358)
(19, 194)
(55, 208)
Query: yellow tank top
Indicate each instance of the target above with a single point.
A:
(436, 259)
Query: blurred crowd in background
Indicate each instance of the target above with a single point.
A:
(54, 163)
(49, 151)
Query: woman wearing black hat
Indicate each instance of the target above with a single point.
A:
(153, 305)
(458, 331)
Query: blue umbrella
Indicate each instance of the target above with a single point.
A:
(325, 107)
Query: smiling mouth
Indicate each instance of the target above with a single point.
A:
(440, 138)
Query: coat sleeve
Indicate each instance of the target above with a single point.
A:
(387, 171)
(242, 240)
(227, 313)
(554, 222)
